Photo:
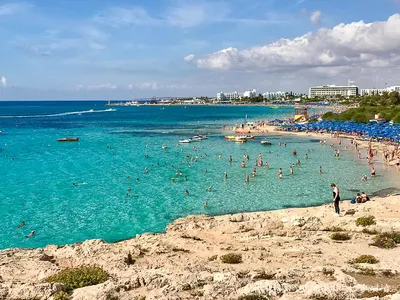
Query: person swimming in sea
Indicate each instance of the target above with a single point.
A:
(31, 234)
(291, 170)
(246, 179)
(21, 225)
(209, 189)
(187, 192)
(225, 175)
(230, 159)
(320, 170)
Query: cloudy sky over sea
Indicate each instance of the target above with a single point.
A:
(98, 49)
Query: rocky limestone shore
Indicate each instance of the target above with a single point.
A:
(286, 254)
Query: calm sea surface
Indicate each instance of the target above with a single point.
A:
(37, 173)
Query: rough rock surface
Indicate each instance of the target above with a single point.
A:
(286, 254)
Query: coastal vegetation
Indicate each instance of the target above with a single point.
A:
(253, 297)
(364, 259)
(377, 293)
(339, 236)
(366, 221)
(386, 105)
(370, 231)
(363, 114)
(365, 271)
(60, 296)
(212, 258)
(333, 229)
(231, 258)
(74, 278)
(387, 240)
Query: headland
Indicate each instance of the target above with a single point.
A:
(299, 253)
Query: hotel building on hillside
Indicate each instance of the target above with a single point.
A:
(333, 90)
(380, 91)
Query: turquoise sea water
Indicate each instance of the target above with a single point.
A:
(37, 173)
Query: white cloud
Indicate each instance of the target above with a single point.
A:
(298, 2)
(144, 86)
(69, 41)
(157, 86)
(195, 13)
(315, 17)
(118, 16)
(184, 14)
(13, 8)
(91, 87)
(189, 58)
(354, 45)
(3, 81)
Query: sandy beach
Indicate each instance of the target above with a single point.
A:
(265, 130)
(285, 254)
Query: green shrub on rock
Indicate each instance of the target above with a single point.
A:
(365, 259)
(231, 258)
(74, 278)
(338, 236)
(365, 221)
(253, 297)
(387, 240)
(61, 296)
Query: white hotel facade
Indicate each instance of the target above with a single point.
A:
(235, 95)
(380, 91)
(333, 90)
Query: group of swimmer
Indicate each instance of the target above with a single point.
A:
(30, 234)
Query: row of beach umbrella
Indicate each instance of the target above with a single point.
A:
(387, 130)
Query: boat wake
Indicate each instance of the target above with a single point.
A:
(63, 114)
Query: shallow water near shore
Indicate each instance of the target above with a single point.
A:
(37, 173)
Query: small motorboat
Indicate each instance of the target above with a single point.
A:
(266, 143)
(200, 137)
(75, 139)
(230, 137)
(241, 139)
(185, 141)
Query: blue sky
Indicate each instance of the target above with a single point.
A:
(98, 49)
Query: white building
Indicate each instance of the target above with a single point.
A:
(274, 95)
(380, 91)
(250, 94)
(333, 90)
(228, 96)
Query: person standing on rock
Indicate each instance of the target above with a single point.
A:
(336, 198)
